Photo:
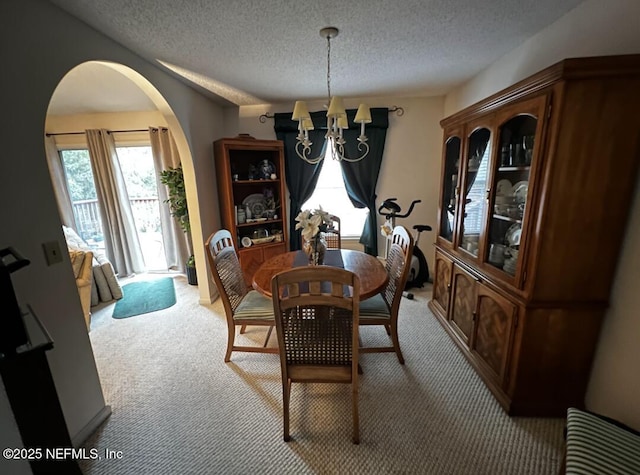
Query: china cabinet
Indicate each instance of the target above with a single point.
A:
(250, 177)
(536, 186)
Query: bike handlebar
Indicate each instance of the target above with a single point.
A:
(394, 209)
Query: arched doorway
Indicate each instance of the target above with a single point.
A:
(99, 94)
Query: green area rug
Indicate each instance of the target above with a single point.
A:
(144, 297)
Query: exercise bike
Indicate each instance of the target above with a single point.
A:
(419, 270)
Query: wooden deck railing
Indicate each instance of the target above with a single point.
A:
(87, 214)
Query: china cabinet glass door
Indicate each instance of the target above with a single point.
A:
(450, 188)
(474, 192)
(510, 190)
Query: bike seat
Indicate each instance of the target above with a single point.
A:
(422, 227)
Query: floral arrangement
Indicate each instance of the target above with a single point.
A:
(312, 222)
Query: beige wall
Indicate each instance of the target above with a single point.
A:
(593, 28)
(411, 165)
(40, 44)
(111, 121)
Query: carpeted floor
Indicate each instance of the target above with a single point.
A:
(179, 409)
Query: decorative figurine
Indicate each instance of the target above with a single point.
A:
(253, 172)
(266, 169)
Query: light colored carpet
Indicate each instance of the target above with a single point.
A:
(179, 409)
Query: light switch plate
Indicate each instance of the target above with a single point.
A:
(52, 252)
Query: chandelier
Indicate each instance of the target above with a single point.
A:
(336, 119)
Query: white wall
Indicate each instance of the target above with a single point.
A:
(39, 44)
(411, 164)
(593, 28)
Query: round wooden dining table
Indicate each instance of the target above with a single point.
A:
(372, 274)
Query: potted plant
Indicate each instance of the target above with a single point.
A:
(177, 200)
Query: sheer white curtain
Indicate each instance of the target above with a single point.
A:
(59, 183)
(120, 235)
(165, 155)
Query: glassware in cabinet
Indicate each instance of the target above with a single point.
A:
(510, 189)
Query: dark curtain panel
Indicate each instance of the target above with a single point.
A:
(451, 166)
(301, 177)
(361, 178)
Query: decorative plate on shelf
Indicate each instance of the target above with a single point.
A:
(504, 188)
(256, 204)
(520, 191)
(246, 241)
(258, 208)
(512, 235)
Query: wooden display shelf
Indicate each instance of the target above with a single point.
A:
(237, 157)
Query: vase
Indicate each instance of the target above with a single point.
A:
(315, 250)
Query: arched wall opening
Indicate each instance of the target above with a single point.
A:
(172, 122)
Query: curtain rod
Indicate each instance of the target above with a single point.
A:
(398, 110)
(108, 131)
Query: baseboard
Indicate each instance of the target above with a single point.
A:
(91, 427)
(212, 298)
(213, 293)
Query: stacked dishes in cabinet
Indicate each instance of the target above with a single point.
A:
(520, 190)
(512, 237)
(511, 199)
(497, 254)
(504, 202)
(509, 205)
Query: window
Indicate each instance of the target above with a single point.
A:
(331, 194)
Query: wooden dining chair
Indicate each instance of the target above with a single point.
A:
(242, 306)
(332, 234)
(316, 311)
(383, 308)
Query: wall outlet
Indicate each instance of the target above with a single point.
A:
(52, 252)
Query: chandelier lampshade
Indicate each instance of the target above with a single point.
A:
(336, 108)
(300, 111)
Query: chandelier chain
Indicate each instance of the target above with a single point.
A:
(328, 67)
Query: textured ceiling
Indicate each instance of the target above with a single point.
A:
(254, 52)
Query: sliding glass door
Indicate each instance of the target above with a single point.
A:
(139, 175)
(82, 191)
